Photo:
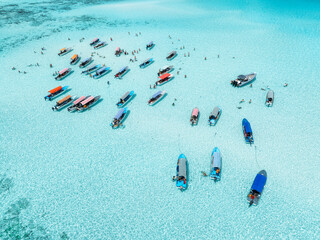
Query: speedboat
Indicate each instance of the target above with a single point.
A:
(85, 62)
(150, 45)
(63, 73)
(63, 103)
(214, 116)
(257, 188)
(75, 59)
(165, 69)
(122, 72)
(164, 79)
(215, 170)
(194, 116)
(270, 98)
(125, 99)
(87, 103)
(100, 45)
(182, 173)
(171, 55)
(118, 119)
(156, 97)
(247, 131)
(64, 51)
(56, 92)
(101, 72)
(76, 104)
(146, 63)
(94, 41)
(243, 80)
(118, 52)
(92, 68)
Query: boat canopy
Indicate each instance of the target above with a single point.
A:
(123, 69)
(246, 125)
(118, 49)
(242, 77)
(147, 60)
(195, 112)
(74, 56)
(150, 43)
(156, 94)
(55, 89)
(102, 70)
(259, 183)
(63, 49)
(63, 71)
(216, 160)
(164, 76)
(87, 59)
(95, 40)
(125, 95)
(84, 102)
(64, 99)
(119, 114)
(215, 112)
(79, 100)
(182, 168)
(270, 94)
(91, 67)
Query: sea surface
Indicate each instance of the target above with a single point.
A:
(71, 176)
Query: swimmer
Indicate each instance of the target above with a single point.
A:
(250, 101)
(241, 101)
(205, 58)
(173, 104)
(251, 85)
(262, 89)
(204, 173)
(285, 85)
(108, 83)
(239, 107)
(50, 65)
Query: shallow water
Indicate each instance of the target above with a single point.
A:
(71, 176)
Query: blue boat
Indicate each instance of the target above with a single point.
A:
(214, 116)
(146, 63)
(118, 119)
(101, 72)
(125, 99)
(53, 93)
(85, 62)
(257, 188)
(247, 131)
(92, 68)
(122, 72)
(215, 170)
(182, 172)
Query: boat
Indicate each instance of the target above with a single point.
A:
(243, 80)
(100, 45)
(171, 55)
(94, 42)
(215, 170)
(76, 104)
(101, 72)
(87, 103)
(194, 116)
(75, 59)
(146, 63)
(85, 62)
(56, 92)
(248, 136)
(182, 172)
(257, 188)
(118, 52)
(63, 73)
(64, 51)
(214, 116)
(150, 45)
(63, 103)
(156, 97)
(92, 68)
(164, 79)
(122, 72)
(118, 119)
(125, 99)
(165, 69)
(270, 98)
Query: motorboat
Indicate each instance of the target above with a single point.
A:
(85, 62)
(53, 93)
(101, 72)
(165, 69)
(100, 45)
(194, 116)
(94, 42)
(270, 98)
(156, 97)
(257, 188)
(125, 99)
(146, 63)
(215, 170)
(92, 68)
(122, 72)
(119, 118)
(63, 74)
(171, 55)
(150, 45)
(62, 103)
(214, 116)
(87, 103)
(246, 127)
(243, 80)
(74, 59)
(182, 173)
(164, 79)
(64, 51)
(76, 104)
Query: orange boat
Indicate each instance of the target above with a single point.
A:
(164, 79)
(75, 59)
(56, 92)
(63, 103)
(64, 51)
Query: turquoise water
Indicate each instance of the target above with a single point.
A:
(71, 176)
